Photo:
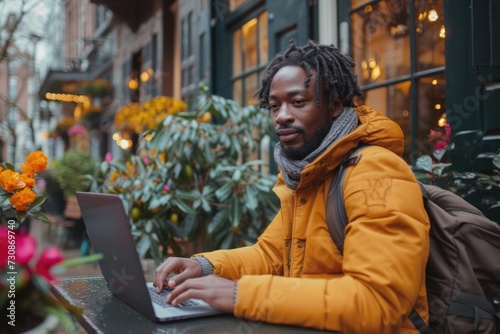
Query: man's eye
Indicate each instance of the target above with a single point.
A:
(298, 102)
(273, 107)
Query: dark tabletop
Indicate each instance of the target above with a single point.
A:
(104, 313)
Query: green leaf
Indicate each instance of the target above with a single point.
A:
(38, 201)
(496, 160)
(235, 212)
(217, 221)
(81, 260)
(183, 206)
(250, 196)
(143, 245)
(20, 215)
(39, 216)
(424, 163)
(224, 192)
(237, 175)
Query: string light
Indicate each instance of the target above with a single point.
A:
(433, 15)
(442, 32)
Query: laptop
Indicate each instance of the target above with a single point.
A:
(109, 232)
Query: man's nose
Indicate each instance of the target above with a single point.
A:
(284, 115)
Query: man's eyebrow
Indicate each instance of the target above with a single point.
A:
(290, 93)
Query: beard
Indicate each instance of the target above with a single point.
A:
(310, 144)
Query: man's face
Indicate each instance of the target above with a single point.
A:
(300, 125)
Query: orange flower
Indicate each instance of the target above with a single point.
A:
(28, 180)
(35, 163)
(113, 177)
(22, 199)
(10, 180)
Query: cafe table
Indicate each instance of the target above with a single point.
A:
(105, 313)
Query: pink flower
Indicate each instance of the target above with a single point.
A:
(146, 160)
(49, 258)
(76, 129)
(440, 145)
(441, 139)
(4, 246)
(25, 248)
(447, 130)
(166, 188)
(23, 245)
(108, 157)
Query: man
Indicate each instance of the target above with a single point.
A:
(295, 274)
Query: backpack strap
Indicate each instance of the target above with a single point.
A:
(336, 218)
(468, 305)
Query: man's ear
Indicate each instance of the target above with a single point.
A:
(337, 108)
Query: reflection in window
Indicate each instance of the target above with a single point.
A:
(249, 30)
(430, 34)
(381, 41)
(394, 102)
(250, 56)
(385, 43)
(432, 105)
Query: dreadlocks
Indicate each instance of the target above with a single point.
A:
(333, 69)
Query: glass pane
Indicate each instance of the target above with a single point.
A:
(381, 43)
(237, 91)
(430, 34)
(233, 4)
(251, 82)
(394, 102)
(237, 64)
(263, 39)
(249, 30)
(431, 106)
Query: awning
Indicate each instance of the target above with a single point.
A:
(63, 82)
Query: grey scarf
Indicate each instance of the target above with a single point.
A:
(344, 124)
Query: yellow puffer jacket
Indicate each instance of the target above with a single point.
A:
(295, 275)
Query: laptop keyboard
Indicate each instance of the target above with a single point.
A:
(159, 298)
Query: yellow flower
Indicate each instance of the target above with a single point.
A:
(114, 176)
(28, 180)
(22, 199)
(10, 180)
(35, 163)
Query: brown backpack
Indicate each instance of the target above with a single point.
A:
(463, 270)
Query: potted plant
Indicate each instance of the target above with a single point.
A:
(478, 188)
(25, 299)
(195, 183)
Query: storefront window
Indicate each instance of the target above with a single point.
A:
(250, 55)
(394, 52)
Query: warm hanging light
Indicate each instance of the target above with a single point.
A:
(442, 120)
(133, 84)
(434, 82)
(433, 15)
(442, 32)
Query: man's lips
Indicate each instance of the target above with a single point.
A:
(287, 135)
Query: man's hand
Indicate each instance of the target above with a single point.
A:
(184, 268)
(216, 291)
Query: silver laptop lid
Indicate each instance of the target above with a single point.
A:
(109, 232)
